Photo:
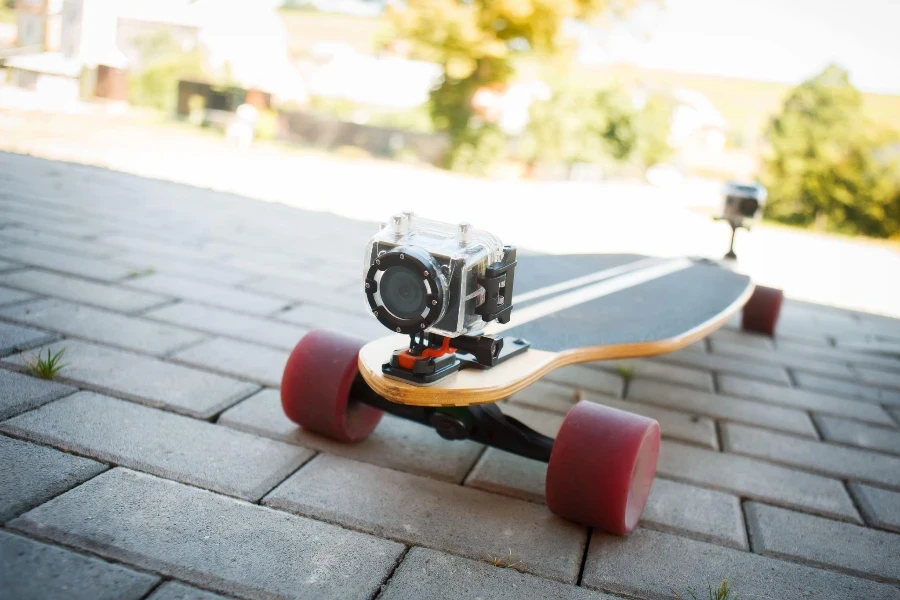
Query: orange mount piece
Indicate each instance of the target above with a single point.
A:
(408, 361)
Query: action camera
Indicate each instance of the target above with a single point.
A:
(743, 202)
(424, 276)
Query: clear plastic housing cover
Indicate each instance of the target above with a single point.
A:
(463, 254)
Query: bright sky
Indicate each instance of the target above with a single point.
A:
(776, 40)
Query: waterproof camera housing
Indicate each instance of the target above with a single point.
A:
(743, 203)
(427, 277)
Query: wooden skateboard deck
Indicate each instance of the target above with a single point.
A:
(580, 308)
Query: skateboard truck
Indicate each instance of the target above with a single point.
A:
(482, 423)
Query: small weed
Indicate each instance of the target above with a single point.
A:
(134, 274)
(723, 592)
(505, 562)
(47, 367)
(626, 371)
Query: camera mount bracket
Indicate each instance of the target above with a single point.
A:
(431, 357)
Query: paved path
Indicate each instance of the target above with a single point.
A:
(159, 464)
(554, 217)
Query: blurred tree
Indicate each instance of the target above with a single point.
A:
(827, 169)
(475, 41)
(165, 63)
(654, 123)
(578, 125)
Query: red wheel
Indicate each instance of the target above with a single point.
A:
(602, 467)
(762, 310)
(315, 387)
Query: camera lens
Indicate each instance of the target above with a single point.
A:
(748, 207)
(403, 292)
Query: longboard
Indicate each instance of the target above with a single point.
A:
(580, 308)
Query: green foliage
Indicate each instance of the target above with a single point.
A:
(827, 168)
(156, 84)
(476, 43)
(579, 125)
(654, 122)
(46, 367)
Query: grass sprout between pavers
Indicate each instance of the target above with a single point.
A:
(49, 367)
(506, 562)
(626, 371)
(723, 592)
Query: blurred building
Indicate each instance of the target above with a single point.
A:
(79, 48)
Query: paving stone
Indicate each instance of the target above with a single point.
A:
(396, 443)
(787, 359)
(205, 293)
(880, 507)
(652, 369)
(423, 511)
(318, 289)
(879, 377)
(858, 434)
(239, 359)
(19, 392)
(846, 389)
(161, 443)
(839, 354)
(102, 326)
(696, 512)
(588, 379)
(146, 380)
(431, 575)
(547, 395)
(721, 407)
(144, 263)
(5, 266)
(174, 252)
(11, 296)
(830, 459)
(65, 262)
(813, 540)
(82, 291)
(14, 338)
(544, 422)
(213, 541)
(31, 570)
(802, 399)
(230, 324)
(756, 479)
(727, 364)
(50, 241)
(34, 474)
(316, 317)
(509, 474)
(673, 424)
(651, 564)
(741, 338)
(172, 590)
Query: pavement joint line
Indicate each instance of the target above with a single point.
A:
(87, 387)
(36, 537)
(858, 506)
(390, 575)
(475, 462)
(584, 555)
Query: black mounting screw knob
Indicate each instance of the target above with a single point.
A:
(449, 427)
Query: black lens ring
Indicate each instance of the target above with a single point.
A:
(414, 259)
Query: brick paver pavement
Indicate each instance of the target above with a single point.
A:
(159, 465)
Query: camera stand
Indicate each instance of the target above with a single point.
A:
(431, 357)
(734, 227)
